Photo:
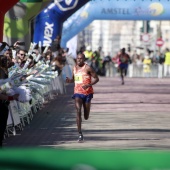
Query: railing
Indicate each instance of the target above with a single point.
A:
(44, 88)
(134, 70)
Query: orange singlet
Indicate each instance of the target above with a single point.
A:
(82, 78)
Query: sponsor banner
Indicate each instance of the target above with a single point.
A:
(66, 5)
(76, 23)
(131, 10)
(49, 22)
(109, 10)
(46, 28)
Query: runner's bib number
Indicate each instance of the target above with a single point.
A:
(78, 78)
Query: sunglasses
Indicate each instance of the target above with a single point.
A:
(22, 54)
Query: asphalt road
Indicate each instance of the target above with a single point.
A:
(131, 116)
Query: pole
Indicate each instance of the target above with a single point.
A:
(145, 32)
(159, 33)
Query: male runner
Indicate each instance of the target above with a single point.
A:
(83, 77)
(124, 60)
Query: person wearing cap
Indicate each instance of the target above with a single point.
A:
(88, 53)
(4, 98)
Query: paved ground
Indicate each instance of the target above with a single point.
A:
(131, 116)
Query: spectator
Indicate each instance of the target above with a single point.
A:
(4, 99)
(107, 65)
(31, 62)
(21, 54)
(138, 66)
(147, 65)
(161, 58)
(48, 57)
(88, 54)
(36, 55)
(167, 63)
(56, 44)
(9, 57)
(135, 56)
(57, 63)
(97, 61)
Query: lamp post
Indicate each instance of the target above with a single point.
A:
(159, 33)
(146, 29)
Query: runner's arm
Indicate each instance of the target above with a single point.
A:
(94, 76)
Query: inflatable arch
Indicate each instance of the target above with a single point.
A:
(49, 23)
(68, 26)
(114, 10)
(68, 17)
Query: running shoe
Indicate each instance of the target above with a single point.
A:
(80, 138)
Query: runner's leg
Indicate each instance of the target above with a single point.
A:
(121, 75)
(86, 107)
(78, 105)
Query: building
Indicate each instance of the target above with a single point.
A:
(114, 35)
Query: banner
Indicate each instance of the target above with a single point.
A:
(113, 10)
(47, 26)
(76, 23)
(49, 23)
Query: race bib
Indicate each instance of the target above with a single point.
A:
(123, 59)
(78, 78)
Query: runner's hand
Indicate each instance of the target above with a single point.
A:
(85, 87)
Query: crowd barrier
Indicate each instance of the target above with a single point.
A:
(43, 87)
(134, 70)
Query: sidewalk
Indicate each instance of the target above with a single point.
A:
(132, 116)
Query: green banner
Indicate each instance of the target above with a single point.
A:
(60, 159)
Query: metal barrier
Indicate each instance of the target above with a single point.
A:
(44, 87)
(143, 71)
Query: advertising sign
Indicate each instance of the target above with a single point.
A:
(49, 22)
(109, 10)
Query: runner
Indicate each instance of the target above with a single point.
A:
(124, 59)
(83, 90)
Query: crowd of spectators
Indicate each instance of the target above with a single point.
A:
(143, 63)
(16, 57)
(20, 57)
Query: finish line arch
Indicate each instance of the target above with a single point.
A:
(69, 17)
(113, 10)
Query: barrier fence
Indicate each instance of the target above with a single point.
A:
(43, 87)
(134, 70)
